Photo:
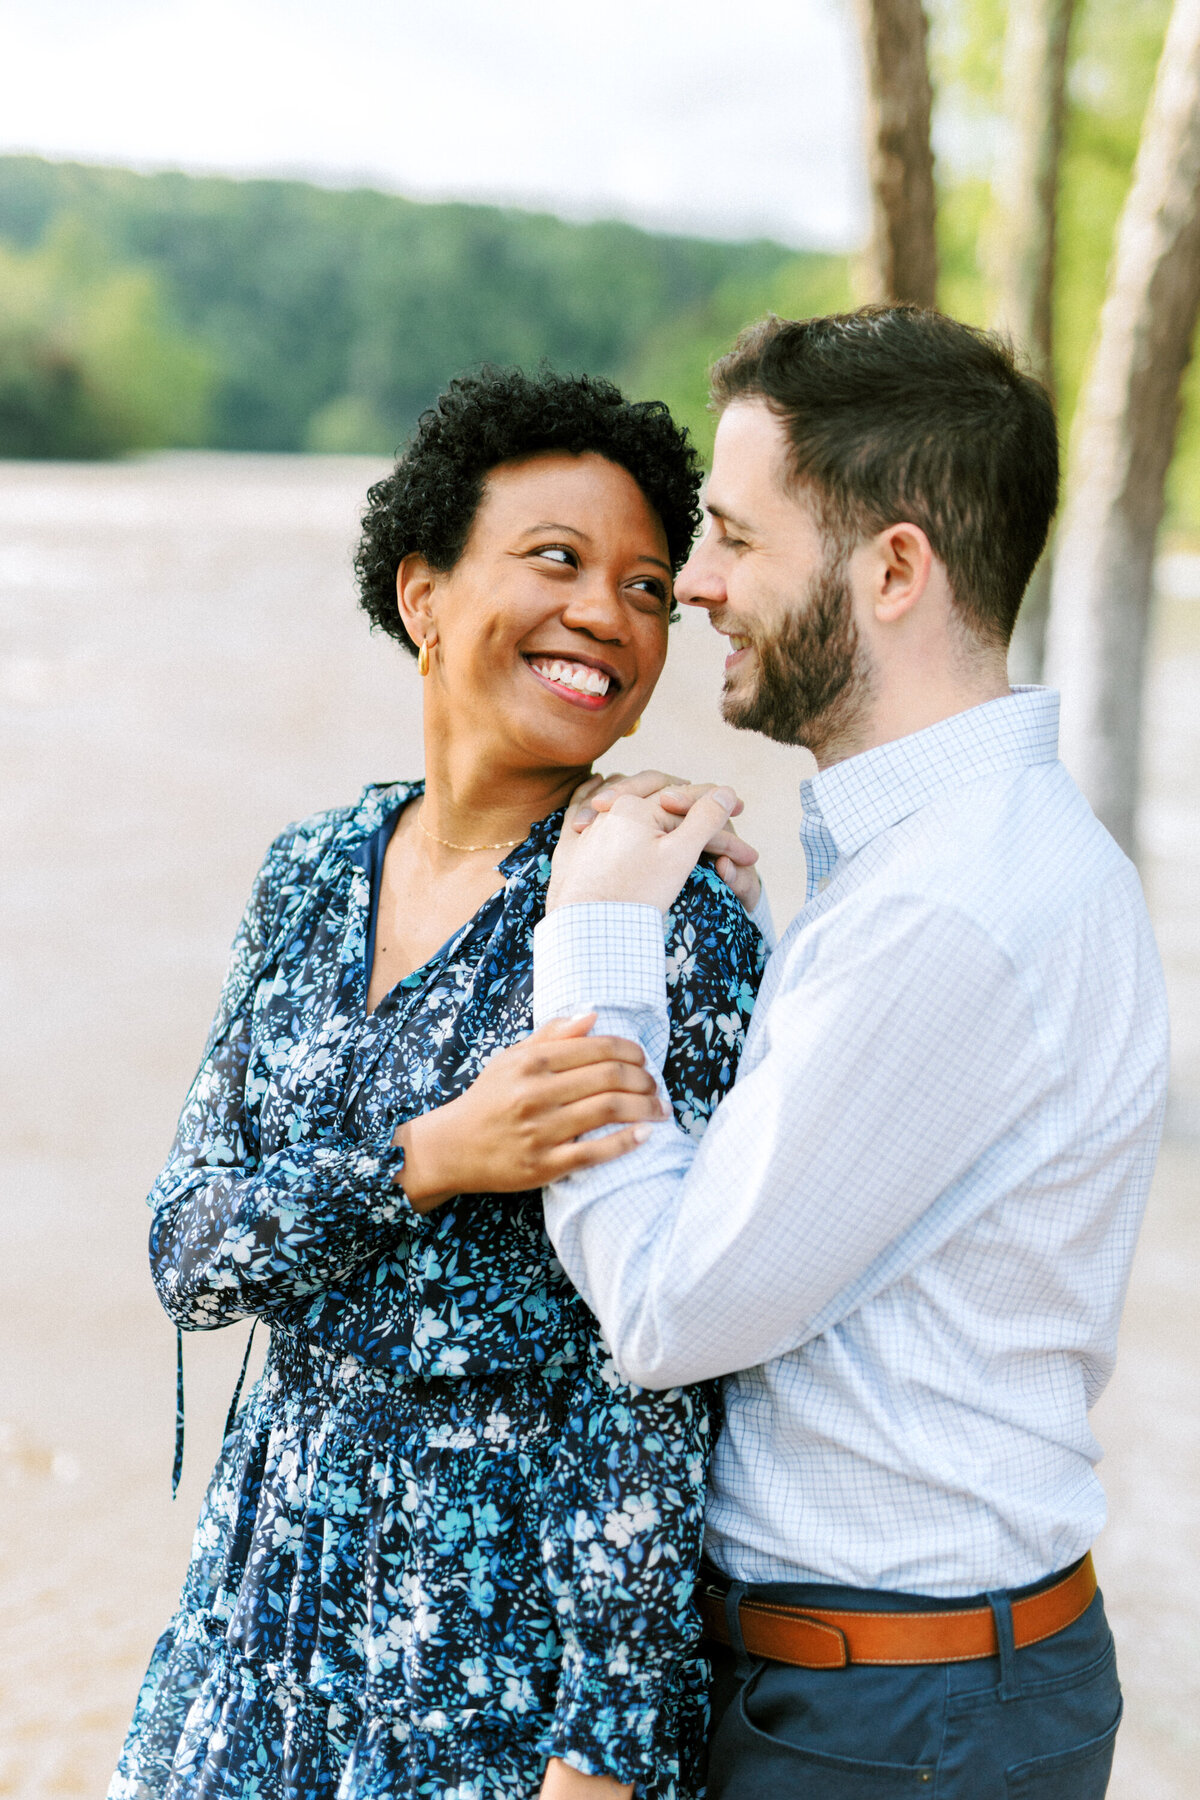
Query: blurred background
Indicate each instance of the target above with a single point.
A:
(241, 247)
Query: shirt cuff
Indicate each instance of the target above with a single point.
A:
(598, 956)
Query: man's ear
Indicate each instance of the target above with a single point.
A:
(903, 563)
(414, 599)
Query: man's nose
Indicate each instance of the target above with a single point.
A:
(697, 583)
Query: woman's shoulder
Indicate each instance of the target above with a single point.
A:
(705, 898)
(304, 843)
(708, 920)
(714, 963)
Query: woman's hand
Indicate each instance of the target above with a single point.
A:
(562, 1782)
(516, 1125)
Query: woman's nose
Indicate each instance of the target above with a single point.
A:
(595, 606)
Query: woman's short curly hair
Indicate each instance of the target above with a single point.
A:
(427, 505)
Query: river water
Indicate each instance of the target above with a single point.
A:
(182, 671)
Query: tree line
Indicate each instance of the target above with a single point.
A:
(141, 310)
(147, 310)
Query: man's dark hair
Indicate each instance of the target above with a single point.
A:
(428, 503)
(900, 414)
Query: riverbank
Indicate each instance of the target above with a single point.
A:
(182, 670)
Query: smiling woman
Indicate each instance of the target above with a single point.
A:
(447, 1551)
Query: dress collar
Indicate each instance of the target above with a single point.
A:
(379, 799)
(532, 858)
(863, 796)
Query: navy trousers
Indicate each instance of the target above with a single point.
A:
(1032, 1724)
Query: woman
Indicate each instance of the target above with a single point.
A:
(446, 1550)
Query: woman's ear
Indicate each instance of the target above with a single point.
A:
(904, 560)
(414, 599)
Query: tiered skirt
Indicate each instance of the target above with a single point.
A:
(372, 1608)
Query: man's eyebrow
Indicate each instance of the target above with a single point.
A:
(716, 511)
(573, 531)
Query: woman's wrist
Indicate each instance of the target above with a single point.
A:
(562, 1782)
(428, 1175)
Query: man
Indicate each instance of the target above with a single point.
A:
(905, 1237)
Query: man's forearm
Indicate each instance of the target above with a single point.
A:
(829, 1168)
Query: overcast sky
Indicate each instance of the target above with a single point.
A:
(732, 117)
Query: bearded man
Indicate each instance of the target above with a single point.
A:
(905, 1238)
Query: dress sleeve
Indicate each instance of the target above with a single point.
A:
(236, 1233)
(623, 1546)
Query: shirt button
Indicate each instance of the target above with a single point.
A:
(823, 883)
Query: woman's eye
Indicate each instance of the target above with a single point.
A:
(558, 553)
(649, 584)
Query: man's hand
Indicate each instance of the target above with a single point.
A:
(516, 1125)
(636, 849)
(733, 858)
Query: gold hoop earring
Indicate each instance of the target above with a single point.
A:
(632, 732)
(423, 658)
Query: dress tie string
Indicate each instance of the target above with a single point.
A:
(177, 1467)
(231, 1415)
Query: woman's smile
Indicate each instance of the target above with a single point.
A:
(579, 680)
(547, 636)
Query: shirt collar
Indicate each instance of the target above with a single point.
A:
(863, 796)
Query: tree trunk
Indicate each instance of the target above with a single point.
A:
(1123, 440)
(902, 254)
(1025, 235)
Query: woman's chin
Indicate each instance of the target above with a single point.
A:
(568, 743)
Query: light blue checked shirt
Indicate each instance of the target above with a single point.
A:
(906, 1235)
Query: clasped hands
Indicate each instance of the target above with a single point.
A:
(637, 838)
(524, 1121)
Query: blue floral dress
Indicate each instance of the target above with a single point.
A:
(444, 1539)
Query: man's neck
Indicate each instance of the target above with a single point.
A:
(903, 710)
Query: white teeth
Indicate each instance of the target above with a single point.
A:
(573, 675)
(739, 643)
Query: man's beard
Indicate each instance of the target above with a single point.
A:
(813, 678)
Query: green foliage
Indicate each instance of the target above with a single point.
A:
(273, 315)
(1115, 51)
(1115, 47)
(328, 320)
(674, 362)
(89, 364)
(963, 208)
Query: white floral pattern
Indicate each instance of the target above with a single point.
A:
(444, 1539)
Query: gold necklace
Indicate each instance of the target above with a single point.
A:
(447, 845)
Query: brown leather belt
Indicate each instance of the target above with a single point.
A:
(817, 1637)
